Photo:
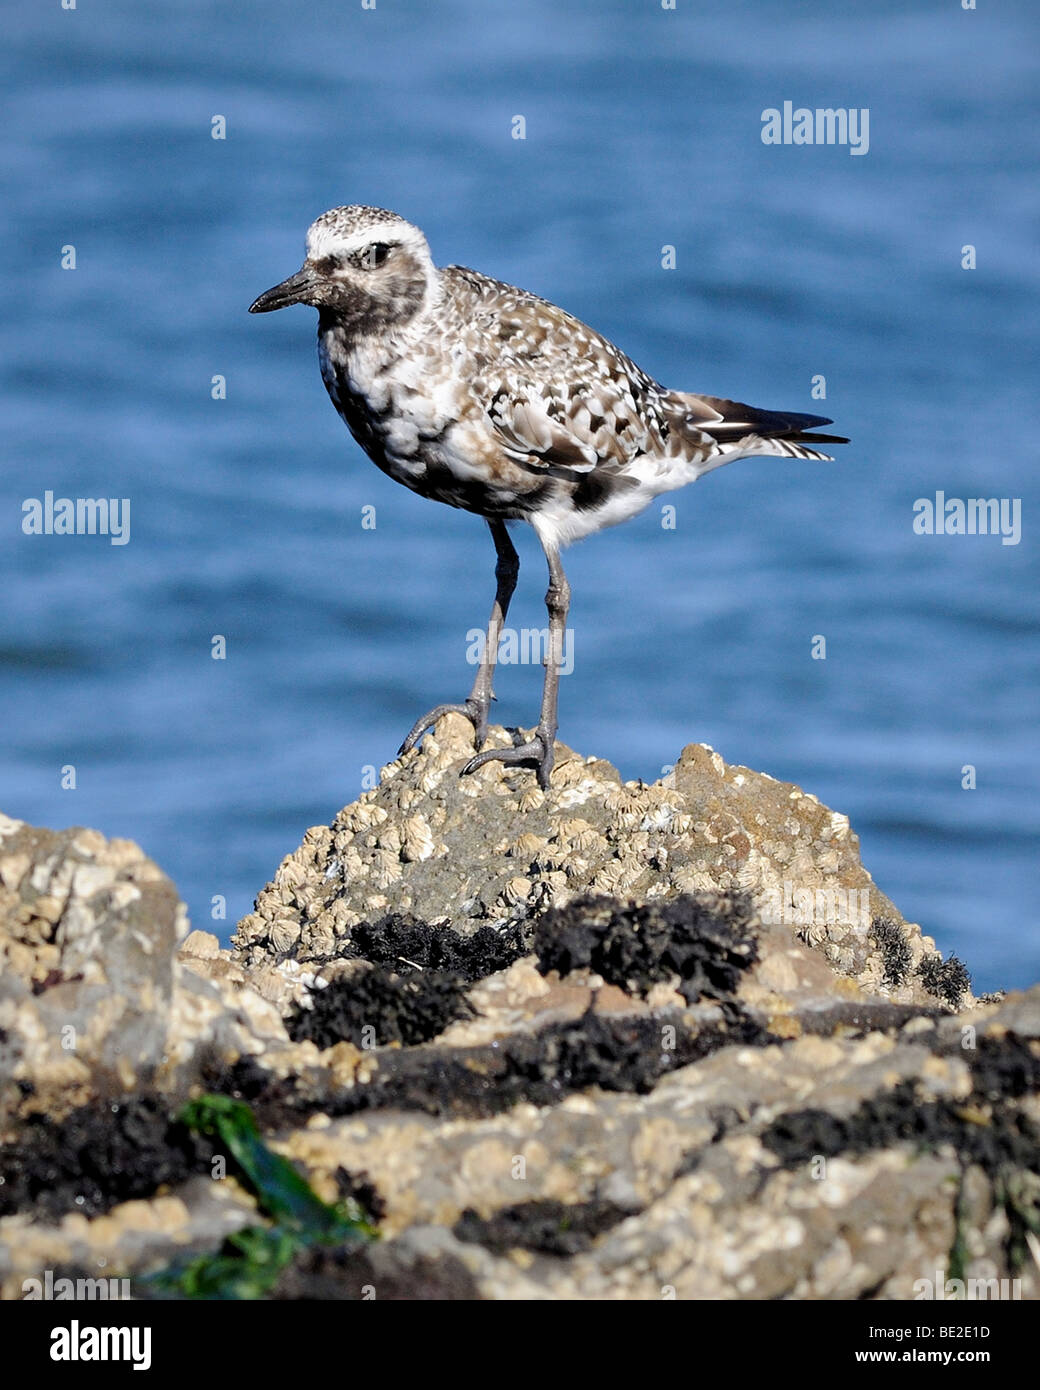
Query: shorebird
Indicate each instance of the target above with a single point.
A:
(475, 393)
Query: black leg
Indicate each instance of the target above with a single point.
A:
(476, 706)
(538, 751)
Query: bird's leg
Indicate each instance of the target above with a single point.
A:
(507, 568)
(538, 751)
(478, 702)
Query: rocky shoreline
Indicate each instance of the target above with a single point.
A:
(477, 1041)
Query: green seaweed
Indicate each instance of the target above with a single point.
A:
(247, 1265)
(958, 1257)
(1018, 1192)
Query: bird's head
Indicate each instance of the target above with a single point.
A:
(367, 268)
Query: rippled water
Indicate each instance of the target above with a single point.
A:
(643, 130)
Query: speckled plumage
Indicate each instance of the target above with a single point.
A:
(475, 393)
(483, 396)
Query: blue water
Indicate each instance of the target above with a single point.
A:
(643, 130)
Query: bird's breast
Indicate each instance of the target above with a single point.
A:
(422, 424)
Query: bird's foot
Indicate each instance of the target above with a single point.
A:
(537, 752)
(470, 709)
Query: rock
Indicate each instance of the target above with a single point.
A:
(88, 931)
(605, 1042)
(501, 852)
(93, 999)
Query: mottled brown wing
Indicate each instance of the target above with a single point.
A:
(560, 395)
(555, 429)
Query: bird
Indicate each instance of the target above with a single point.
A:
(485, 397)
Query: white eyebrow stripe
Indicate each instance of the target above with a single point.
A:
(324, 241)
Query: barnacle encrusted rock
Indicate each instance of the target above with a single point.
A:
(93, 1000)
(610, 1041)
(88, 931)
(420, 844)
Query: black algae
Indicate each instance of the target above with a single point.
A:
(101, 1154)
(1005, 1139)
(358, 1188)
(615, 1053)
(895, 950)
(407, 944)
(378, 1006)
(946, 979)
(549, 1227)
(1003, 1068)
(705, 941)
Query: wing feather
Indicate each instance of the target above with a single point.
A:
(538, 429)
(561, 396)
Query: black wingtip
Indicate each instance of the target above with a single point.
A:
(738, 419)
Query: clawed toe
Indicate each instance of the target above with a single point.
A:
(537, 752)
(469, 709)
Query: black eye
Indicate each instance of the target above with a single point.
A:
(375, 255)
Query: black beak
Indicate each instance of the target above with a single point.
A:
(296, 290)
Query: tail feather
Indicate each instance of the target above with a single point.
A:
(733, 423)
(774, 446)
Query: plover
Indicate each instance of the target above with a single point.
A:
(475, 393)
